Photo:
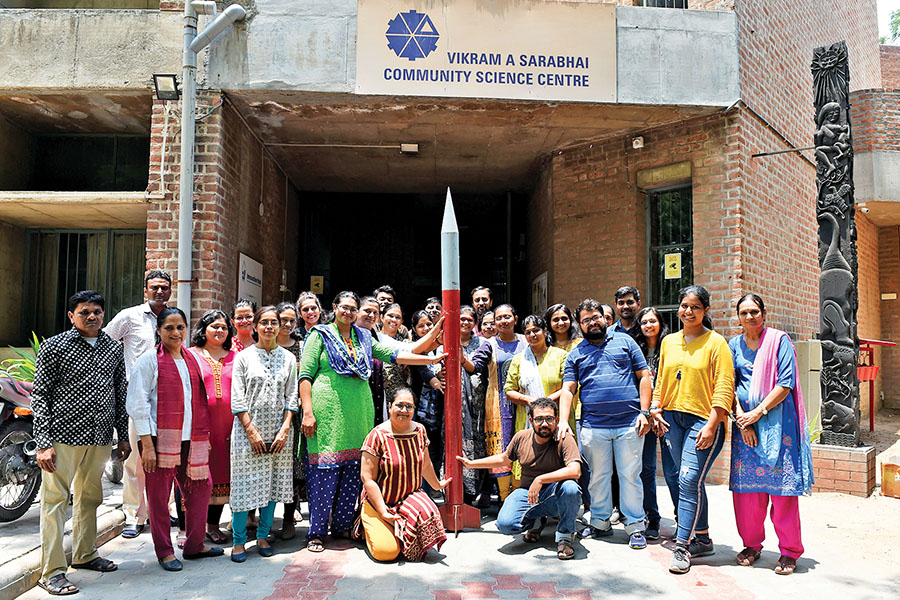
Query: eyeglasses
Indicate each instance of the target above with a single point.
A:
(269, 323)
(288, 321)
(243, 319)
(592, 320)
(348, 309)
(544, 420)
(404, 407)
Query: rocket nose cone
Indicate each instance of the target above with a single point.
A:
(449, 223)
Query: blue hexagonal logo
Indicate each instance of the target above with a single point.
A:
(412, 35)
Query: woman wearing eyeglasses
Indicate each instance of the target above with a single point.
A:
(289, 339)
(338, 413)
(242, 313)
(263, 400)
(397, 516)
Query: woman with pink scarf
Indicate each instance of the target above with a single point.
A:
(771, 459)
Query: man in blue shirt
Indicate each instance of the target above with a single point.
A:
(615, 389)
(628, 304)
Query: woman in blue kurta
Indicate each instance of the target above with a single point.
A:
(492, 360)
(771, 458)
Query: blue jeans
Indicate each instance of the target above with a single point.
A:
(585, 478)
(559, 499)
(601, 447)
(239, 524)
(693, 465)
(648, 476)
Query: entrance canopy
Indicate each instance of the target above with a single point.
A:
(351, 143)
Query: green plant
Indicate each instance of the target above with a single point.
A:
(815, 428)
(22, 368)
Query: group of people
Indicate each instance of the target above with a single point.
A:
(279, 404)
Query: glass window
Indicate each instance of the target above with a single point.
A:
(63, 262)
(671, 249)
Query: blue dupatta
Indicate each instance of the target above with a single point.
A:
(339, 356)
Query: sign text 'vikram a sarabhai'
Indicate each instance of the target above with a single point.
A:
(474, 49)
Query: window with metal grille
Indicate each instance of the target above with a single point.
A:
(64, 261)
(665, 3)
(671, 249)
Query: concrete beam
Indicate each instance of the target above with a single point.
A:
(74, 209)
(87, 48)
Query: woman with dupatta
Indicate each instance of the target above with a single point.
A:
(167, 400)
(493, 359)
(771, 458)
(338, 413)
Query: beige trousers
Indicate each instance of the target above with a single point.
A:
(79, 468)
(134, 499)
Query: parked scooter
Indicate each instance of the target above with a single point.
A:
(20, 475)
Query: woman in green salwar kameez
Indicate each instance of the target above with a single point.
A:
(338, 413)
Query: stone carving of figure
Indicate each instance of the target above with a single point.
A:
(832, 138)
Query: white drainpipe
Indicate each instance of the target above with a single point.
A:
(193, 43)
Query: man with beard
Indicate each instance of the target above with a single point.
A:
(551, 466)
(135, 327)
(614, 383)
(628, 304)
(481, 300)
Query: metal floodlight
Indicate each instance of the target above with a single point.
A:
(166, 86)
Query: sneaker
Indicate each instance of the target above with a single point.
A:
(652, 531)
(637, 541)
(681, 560)
(594, 533)
(698, 548)
(615, 517)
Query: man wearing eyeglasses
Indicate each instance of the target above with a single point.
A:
(614, 382)
(549, 485)
(135, 327)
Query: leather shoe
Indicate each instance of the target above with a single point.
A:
(265, 552)
(172, 565)
(212, 552)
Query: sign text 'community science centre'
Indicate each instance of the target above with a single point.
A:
(487, 49)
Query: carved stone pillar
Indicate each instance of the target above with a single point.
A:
(838, 298)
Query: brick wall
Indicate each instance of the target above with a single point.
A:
(776, 40)
(869, 313)
(875, 117)
(889, 268)
(541, 231)
(233, 175)
(599, 214)
(890, 67)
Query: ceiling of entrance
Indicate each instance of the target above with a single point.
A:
(349, 143)
(79, 111)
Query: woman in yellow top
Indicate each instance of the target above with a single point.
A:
(691, 401)
(535, 373)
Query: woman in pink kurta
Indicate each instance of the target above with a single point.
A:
(212, 338)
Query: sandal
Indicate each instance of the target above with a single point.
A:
(180, 539)
(747, 556)
(216, 536)
(315, 545)
(533, 536)
(564, 550)
(102, 565)
(58, 585)
(786, 565)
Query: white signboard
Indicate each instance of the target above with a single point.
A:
(250, 273)
(512, 49)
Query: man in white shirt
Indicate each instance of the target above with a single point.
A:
(136, 328)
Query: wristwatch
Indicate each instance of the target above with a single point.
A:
(764, 411)
(646, 413)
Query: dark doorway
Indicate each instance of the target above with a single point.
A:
(361, 241)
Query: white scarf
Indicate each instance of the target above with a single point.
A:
(530, 377)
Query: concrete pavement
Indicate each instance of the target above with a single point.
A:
(852, 551)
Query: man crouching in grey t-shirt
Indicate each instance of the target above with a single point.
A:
(549, 485)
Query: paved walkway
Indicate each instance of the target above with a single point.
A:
(852, 552)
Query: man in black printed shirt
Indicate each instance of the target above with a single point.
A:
(79, 395)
